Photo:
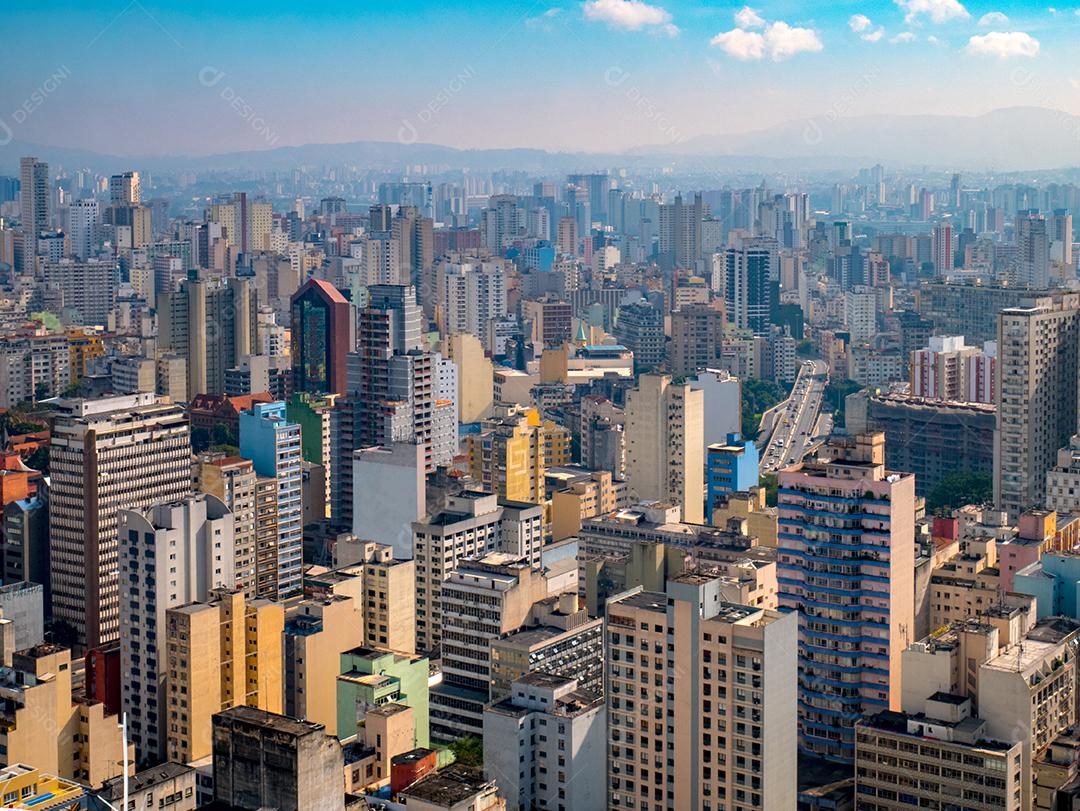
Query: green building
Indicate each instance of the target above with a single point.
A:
(371, 678)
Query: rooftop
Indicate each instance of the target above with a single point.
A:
(269, 721)
(452, 785)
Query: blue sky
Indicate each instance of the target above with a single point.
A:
(148, 77)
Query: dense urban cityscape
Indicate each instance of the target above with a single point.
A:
(380, 475)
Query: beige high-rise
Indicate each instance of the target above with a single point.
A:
(222, 653)
(1037, 396)
(701, 698)
(105, 455)
(665, 457)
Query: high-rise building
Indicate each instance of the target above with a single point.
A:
(471, 294)
(390, 388)
(1037, 399)
(1061, 237)
(1033, 249)
(318, 631)
(949, 370)
(212, 326)
(680, 230)
(125, 189)
(225, 652)
(507, 456)
(106, 455)
(664, 447)
(232, 480)
(82, 227)
(469, 527)
(482, 600)
(700, 701)
(697, 339)
(87, 289)
(847, 523)
(170, 554)
(48, 725)
(640, 328)
(943, 249)
(35, 197)
(748, 289)
(272, 443)
(574, 725)
(475, 386)
(321, 329)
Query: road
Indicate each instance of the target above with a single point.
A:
(794, 427)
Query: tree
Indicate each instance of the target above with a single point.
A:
(200, 440)
(468, 751)
(758, 396)
(770, 482)
(958, 489)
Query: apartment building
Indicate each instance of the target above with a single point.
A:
(701, 701)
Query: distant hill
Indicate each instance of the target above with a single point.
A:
(1007, 139)
(1010, 139)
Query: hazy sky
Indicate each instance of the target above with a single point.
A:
(148, 77)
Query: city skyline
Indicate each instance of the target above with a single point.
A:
(617, 74)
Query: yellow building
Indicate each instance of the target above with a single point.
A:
(25, 787)
(556, 444)
(317, 632)
(82, 347)
(43, 727)
(507, 455)
(221, 654)
(749, 507)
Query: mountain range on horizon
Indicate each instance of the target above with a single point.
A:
(1005, 140)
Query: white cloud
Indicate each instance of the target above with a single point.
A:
(859, 23)
(780, 41)
(747, 17)
(939, 11)
(864, 27)
(933, 40)
(993, 18)
(1003, 44)
(783, 40)
(740, 44)
(1075, 83)
(630, 15)
(903, 36)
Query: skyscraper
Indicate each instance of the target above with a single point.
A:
(846, 564)
(390, 388)
(700, 705)
(34, 205)
(170, 554)
(272, 443)
(664, 446)
(211, 325)
(126, 452)
(321, 328)
(943, 248)
(1033, 249)
(1037, 396)
(748, 290)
